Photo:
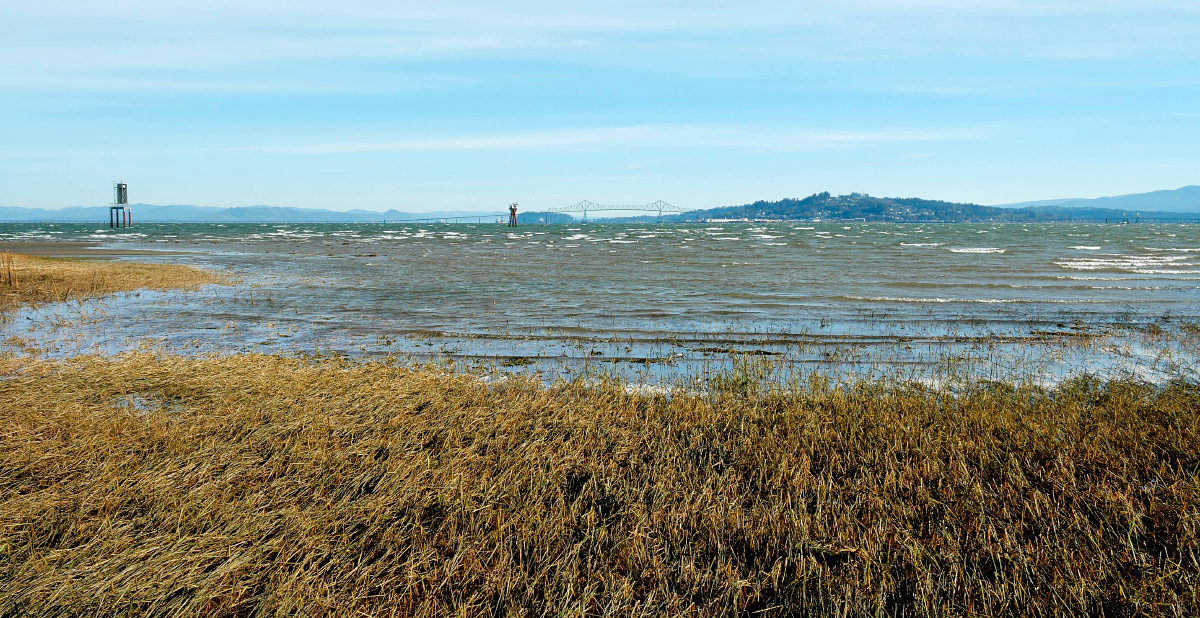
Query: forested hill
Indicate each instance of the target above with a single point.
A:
(899, 209)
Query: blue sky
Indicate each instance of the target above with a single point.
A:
(471, 105)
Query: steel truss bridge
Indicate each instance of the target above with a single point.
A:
(583, 207)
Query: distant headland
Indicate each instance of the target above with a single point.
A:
(1176, 204)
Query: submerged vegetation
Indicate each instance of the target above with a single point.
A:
(26, 280)
(258, 485)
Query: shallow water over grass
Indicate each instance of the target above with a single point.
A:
(655, 303)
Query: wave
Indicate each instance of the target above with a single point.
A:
(985, 301)
(1123, 262)
(977, 250)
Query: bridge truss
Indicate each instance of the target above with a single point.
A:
(583, 207)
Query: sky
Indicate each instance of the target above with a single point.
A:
(422, 106)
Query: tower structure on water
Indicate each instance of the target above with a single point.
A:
(512, 215)
(119, 214)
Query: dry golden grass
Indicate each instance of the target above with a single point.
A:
(256, 485)
(26, 279)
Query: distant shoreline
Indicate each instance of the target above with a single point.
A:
(1176, 204)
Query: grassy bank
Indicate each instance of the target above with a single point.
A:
(29, 280)
(256, 485)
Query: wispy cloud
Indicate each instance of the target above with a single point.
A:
(529, 141)
(642, 137)
(75, 38)
(265, 90)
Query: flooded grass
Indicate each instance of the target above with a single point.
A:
(259, 485)
(29, 280)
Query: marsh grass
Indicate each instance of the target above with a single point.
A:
(30, 280)
(250, 485)
(256, 485)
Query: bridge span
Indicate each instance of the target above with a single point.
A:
(659, 207)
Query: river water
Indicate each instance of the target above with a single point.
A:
(655, 302)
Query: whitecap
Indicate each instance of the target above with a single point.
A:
(1123, 262)
(987, 301)
(977, 250)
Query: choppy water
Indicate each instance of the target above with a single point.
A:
(661, 300)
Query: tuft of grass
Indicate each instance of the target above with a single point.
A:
(30, 280)
(256, 485)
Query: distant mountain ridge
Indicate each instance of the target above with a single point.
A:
(856, 206)
(859, 206)
(1158, 204)
(1175, 203)
(1181, 200)
(238, 214)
